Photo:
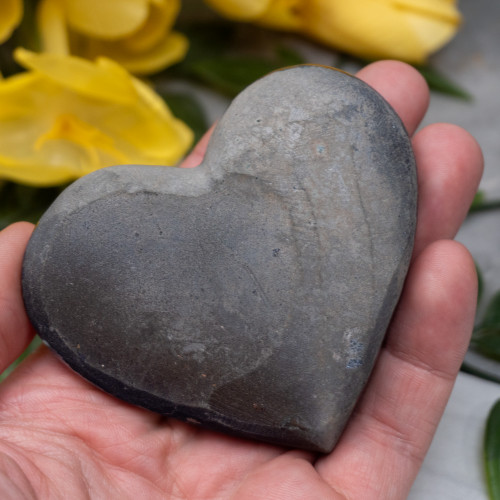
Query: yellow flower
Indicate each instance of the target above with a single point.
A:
(135, 33)
(66, 117)
(12, 13)
(409, 30)
(241, 10)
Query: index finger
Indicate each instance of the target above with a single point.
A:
(15, 328)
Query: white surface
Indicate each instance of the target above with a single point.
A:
(473, 60)
(453, 468)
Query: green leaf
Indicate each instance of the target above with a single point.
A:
(491, 316)
(480, 283)
(18, 202)
(478, 200)
(491, 452)
(217, 59)
(475, 369)
(481, 204)
(230, 75)
(206, 41)
(8, 66)
(288, 57)
(487, 342)
(486, 337)
(25, 35)
(188, 109)
(441, 83)
(35, 343)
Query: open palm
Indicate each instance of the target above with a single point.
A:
(60, 437)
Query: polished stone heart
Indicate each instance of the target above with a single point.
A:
(250, 294)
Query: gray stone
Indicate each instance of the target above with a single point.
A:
(250, 294)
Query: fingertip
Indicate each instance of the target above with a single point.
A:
(13, 241)
(467, 154)
(403, 87)
(450, 262)
(450, 166)
(443, 266)
(438, 305)
(196, 156)
(18, 228)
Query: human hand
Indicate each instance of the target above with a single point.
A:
(61, 437)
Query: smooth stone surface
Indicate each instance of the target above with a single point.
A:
(250, 294)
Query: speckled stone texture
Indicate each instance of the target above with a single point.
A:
(250, 294)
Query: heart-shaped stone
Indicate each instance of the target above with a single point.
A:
(250, 294)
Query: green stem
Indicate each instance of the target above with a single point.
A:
(491, 452)
(485, 206)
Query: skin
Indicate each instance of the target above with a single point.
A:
(62, 438)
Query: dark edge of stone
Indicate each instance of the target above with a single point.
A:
(208, 419)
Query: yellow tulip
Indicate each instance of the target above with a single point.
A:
(284, 15)
(409, 30)
(135, 33)
(67, 116)
(241, 10)
(11, 15)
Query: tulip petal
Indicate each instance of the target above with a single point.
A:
(51, 24)
(52, 131)
(12, 13)
(434, 22)
(166, 139)
(105, 80)
(159, 22)
(432, 34)
(107, 19)
(161, 142)
(170, 50)
(377, 29)
(240, 10)
(284, 15)
(440, 10)
(35, 174)
(152, 100)
(70, 128)
(15, 84)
